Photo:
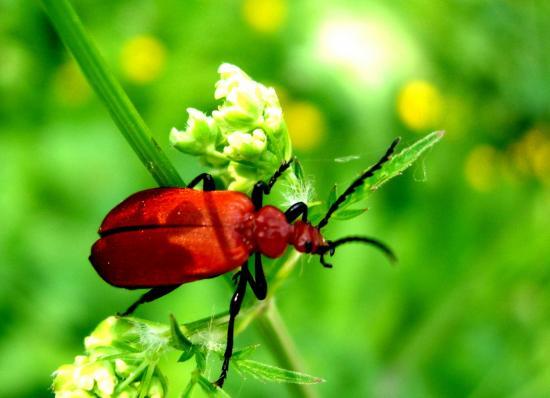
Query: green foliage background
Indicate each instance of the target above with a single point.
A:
(465, 313)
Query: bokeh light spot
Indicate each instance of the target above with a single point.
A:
(306, 124)
(481, 167)
(368, 48)
(142, 59)
(419, 105)
(266, 16)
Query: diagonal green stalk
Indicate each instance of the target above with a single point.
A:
(122, 110)
(70, 29)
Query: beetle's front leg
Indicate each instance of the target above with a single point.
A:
(295, 211)
(234, 308)
(208, 183)
(262, 188)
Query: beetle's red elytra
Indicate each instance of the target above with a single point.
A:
(162, 238)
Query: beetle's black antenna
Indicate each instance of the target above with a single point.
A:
(358, 182)
(332, 245)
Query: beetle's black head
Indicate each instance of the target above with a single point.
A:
(331, 246)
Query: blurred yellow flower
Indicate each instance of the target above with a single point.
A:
(541, 162)
(306, 124)
(419, 105)
(533, 154)
(265, 16)
(69, 84)
(142, 59)
(481, 167)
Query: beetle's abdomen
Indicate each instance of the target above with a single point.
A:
(167, 256)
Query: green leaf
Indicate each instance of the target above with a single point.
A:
(264, 372)
(245, 352)
(211, 389)
(348, 214)
(208, 323)
(179, 341)
(186, 355)
(205, 384)
(200, 358)
(298, 170)
(394, 167)
(332, 196)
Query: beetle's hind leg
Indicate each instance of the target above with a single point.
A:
(151, 295)
(208, 183)
(234, 308)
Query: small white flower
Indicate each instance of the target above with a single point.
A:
(73, 394)
(155, 389)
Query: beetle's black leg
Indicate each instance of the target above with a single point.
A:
(234, 308)
(258, 283)
(208, 183)
(262, 188)
(151, 295)
(295, 211)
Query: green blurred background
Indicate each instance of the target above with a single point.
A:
(467, 310)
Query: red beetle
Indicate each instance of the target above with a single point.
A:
(162, 238)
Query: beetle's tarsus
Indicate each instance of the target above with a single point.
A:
(151, 295)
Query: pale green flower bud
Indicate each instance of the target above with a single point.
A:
(200, 135)
(63, 378)
(74, 394)
(273, 120)
(83, 375)
(244, 177)
(244, 146)
(122, 369)
(230, 77)
(106, 332)
(128, 392)
(105, 378)
(100, 373)
(242, 108)
(156, 390)
(250, 132)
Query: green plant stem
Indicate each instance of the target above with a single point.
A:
(134, 129)
(275, 335)
(70, 29)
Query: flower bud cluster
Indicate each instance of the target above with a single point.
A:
(118, 354)
(245, 140)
